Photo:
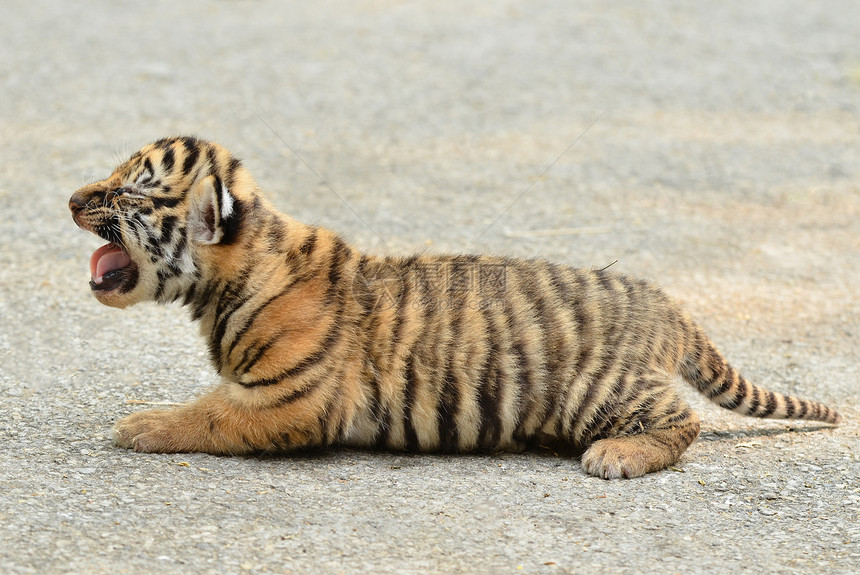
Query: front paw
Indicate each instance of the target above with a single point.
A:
(154, 431)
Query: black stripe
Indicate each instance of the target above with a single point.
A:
(367, 298)
(738, 397)
(161, 202)
(789, 407)
(201, 301)
(363, 260)
(460, 278)
(400, 314)
(232, 166)
(276, 233)
(446, 413)
(741, 392)
(310, 243)
(755, 401)
(191, 158)
(730, 404)
(178, 252)
(406, 263)
(584, 348)
(605, 280)
(679, 417)
(164, 143)
(154, 247)
(189, 294)
(524, 382)
(284, 442)
(297, 394)
(167, 225)
(449, 399)
(545, 323)
(147, 167)
(408, 405)
(168, 159)
(159, 291)
(770, 406)
(130, 280)
(339, 255)
(212, 156)
(489, 396)
(665, 346)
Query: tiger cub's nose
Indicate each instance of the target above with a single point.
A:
(76, 205)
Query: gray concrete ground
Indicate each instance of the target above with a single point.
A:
(724, 165)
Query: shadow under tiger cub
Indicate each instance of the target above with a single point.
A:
(318, 344)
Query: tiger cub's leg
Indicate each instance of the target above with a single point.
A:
(216, 424)
(648, 434)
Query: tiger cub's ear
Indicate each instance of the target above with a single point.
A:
(215, 213)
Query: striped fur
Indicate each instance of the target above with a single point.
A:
(318, 344)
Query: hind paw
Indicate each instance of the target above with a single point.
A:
(619, 458)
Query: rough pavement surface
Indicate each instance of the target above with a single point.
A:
(724, 165)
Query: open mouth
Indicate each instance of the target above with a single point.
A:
(111, 268)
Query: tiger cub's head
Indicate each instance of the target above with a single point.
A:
(171, 213)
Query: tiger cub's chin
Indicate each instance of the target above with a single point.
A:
(318, 344)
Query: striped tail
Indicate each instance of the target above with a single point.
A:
(707, 370)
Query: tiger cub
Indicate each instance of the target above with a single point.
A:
(318, 344)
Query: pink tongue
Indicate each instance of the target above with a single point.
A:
(106, 259)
